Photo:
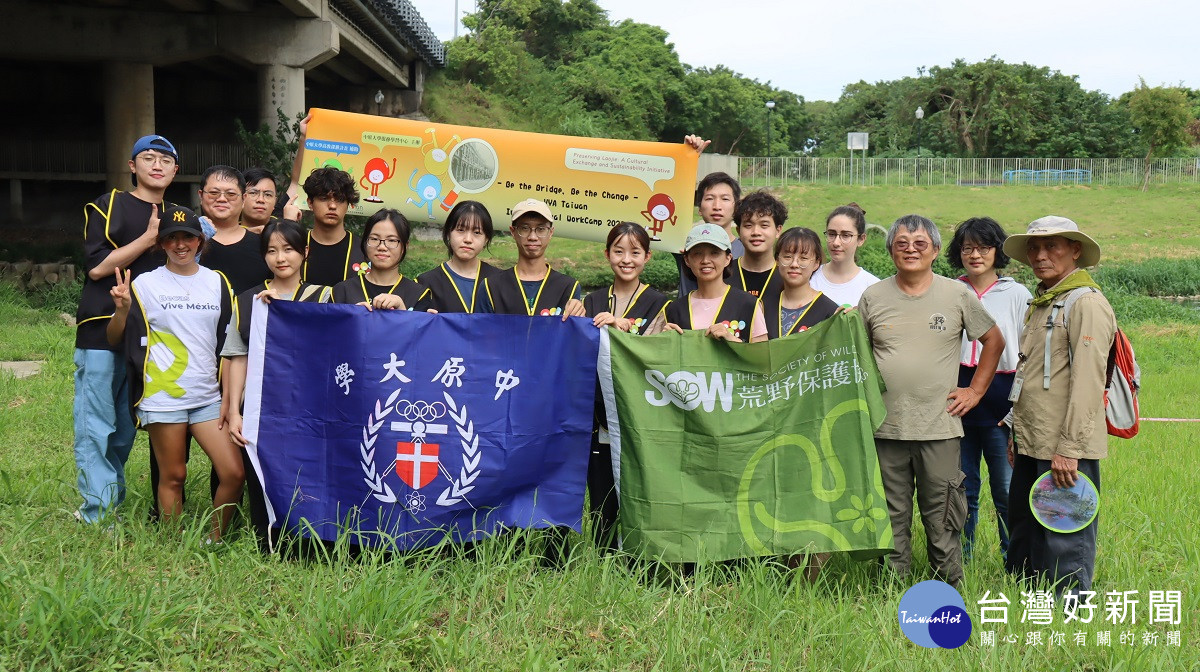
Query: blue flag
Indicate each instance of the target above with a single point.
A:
(408, 428)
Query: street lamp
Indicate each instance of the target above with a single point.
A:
(770, 106)
(378, 103)
(920, 116)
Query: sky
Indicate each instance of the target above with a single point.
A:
(815, 48)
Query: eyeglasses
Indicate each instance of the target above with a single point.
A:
(905, 245)
(844, 235)
(151, 159)
(983, 250)
(386, 243)
(541, 230)
(790, 258)
(253, 194)
(229, 194)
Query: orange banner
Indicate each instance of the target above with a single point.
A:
(590, 184)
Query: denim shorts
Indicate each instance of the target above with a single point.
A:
(190, 416)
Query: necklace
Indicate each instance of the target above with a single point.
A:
(175, 278)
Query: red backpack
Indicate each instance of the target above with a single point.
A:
(1122, 380)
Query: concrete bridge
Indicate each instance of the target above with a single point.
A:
(86, 78)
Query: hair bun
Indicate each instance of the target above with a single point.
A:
(856, 206)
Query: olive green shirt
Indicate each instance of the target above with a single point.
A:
(917, 341)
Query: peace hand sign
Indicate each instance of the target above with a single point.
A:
(120, 293)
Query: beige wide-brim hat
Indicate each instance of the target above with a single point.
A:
(1048, 226)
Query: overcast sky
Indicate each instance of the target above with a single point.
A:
(816, 48)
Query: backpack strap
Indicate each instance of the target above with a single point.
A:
(1063, 305)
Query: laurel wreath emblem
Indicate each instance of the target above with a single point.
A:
(459, 486)
(366, 449)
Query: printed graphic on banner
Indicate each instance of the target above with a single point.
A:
(591, 184)
(406, 428)
(746, 450)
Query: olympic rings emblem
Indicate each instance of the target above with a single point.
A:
(420, 410)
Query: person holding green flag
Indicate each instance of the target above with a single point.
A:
(916, 320)
(723, 312)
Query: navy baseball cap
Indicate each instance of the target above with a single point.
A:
(156, 142)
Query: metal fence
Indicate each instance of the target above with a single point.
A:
(783, 171)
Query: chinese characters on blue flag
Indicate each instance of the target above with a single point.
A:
(407, 428)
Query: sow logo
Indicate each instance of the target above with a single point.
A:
(933, 615)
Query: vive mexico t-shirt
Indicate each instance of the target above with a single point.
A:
(181, 360)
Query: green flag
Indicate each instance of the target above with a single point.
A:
(731, 450)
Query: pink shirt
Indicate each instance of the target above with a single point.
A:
(704, 311)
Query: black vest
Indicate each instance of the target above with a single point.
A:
(508, 296)
(357, 290)
(821, 308)
(446, 296)
(646, 306)
(305, 292)
(738, 307)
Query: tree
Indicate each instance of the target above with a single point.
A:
(1160, 117)
(272, 150)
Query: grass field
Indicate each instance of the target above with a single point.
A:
(143, 597)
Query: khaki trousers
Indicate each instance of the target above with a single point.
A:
(932, 467)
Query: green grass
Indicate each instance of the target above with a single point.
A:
(144, 597)
(1128, 224)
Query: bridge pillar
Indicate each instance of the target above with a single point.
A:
(280, 87)
(128, 115)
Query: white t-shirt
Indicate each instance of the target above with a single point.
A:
(182, 312)
(846, 293)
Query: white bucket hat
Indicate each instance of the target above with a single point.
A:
(1052, 225)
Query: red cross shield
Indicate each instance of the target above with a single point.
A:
(416, 463)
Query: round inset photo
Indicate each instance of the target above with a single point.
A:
(1064, 509)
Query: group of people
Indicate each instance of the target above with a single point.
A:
(168, 297)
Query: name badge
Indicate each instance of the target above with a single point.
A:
(1018, 381)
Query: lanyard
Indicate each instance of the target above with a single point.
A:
(345, 267)
(798, 319)
(715, 315)
(612, 300)
(474, 287)
(743, 277)
(363, 283)
(538, 297)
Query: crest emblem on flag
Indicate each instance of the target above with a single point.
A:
(419, 462)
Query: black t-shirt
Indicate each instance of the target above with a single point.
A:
(330, 264)
(241, 262)
(756, 280)
(114, 220)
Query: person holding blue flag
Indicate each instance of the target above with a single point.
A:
(383, 286)
(632, 306)
(532, 287)
(282, 248)
(457, 284)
